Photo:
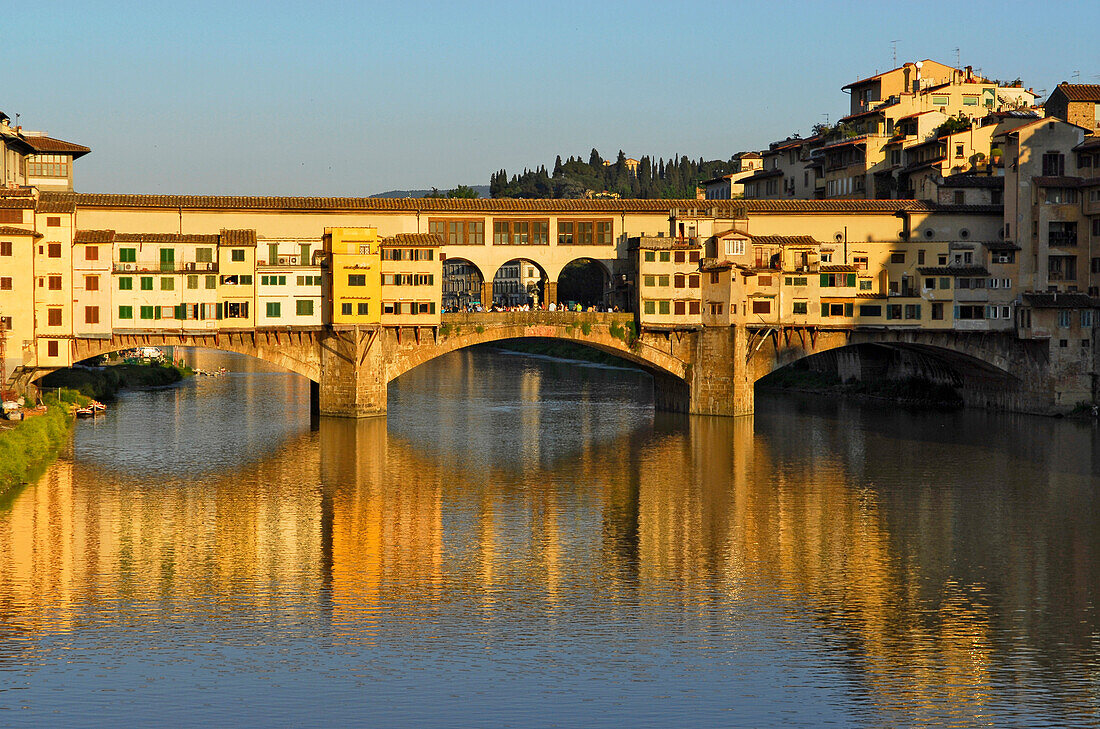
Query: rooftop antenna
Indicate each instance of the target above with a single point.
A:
(958, 59)
(894, 46)
(1076, 75)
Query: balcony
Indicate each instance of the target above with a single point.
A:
(163, 267)
(1062, 239)
(291, 259)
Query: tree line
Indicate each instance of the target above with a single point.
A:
(676, 178)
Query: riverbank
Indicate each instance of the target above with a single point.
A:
(103, 383)
(561, 349)
(912, 391)
(28, 446)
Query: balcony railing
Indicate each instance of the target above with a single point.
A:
(1062, 240)
(163, 267)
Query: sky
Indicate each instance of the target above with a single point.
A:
(297, 98)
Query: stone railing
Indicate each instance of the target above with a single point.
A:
(564, 318)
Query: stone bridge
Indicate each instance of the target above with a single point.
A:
(708, 371)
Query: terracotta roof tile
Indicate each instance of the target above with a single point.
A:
(413, 239)
(1079, 92)
(12, 230)
(165, 238)
(49, 145)
(94, 236)
(839, 268)
(490, 206)
(238, 238)
(24, 203)
(56, 207)
(783, 240)
(1062, 301)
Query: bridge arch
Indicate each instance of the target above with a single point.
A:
(463, 283)
(296, 351)
(585, 280)
(520, 281)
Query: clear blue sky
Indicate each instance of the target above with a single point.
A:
(355, 98)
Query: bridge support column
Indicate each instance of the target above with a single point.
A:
(719, 380)
(353, 374)
(486, 294)
(551, 293)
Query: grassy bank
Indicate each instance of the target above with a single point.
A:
(103, 383)
(562, 349)
(28, 446)
(909, 391)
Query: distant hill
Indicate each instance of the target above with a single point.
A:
(482, 190)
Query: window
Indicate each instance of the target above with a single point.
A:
(897, 257)
(5, 247)
(662, 307)
(912, 311)
(865, 284)
(662, 280)
(458, 232)
(648, 307)
(54, 250)
(940, 100)
(1086, 318)
(91, 314)
(1062, 268)
(679, 308)
(664, 256)
(826, 257)
(274, 308)
(970, 99)
(167, 283)
(146, 283)
(91, 253)
(54, 283)
(651, 280)
(761, 306)
(236, 310)
(125, 312)
(678, 281)
(860, 262)
(303, 307)
(48, 165)
(91, 283)
(800, 307)
(345, 309)
(794, 280)
(211, 282)
(53, 317)
(678, 257)
(870, 310)
(1054, 164)
(357, 279)
(127, 255)
(521, 232)
(960, 197)
(125, 283)
(838, 279)
(192, 282)
(735, 247)
(236, 255)
(5, 283)
(959, 155)
(693, 281)
(8, 215)
(51, 348)
(650, 256)
(364, 308)
(1064, 319)
(204, 255)
(146, 312)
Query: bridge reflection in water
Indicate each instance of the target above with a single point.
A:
(861, 539)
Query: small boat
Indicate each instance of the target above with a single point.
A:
(85, 412)
(97, 406)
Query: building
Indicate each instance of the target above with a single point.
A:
(34, 159)
(354, 261)
(1077, 104)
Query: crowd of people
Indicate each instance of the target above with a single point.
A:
(477, 308)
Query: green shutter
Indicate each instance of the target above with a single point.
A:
(824, 279)
(851, 279)
(848, 308)
(218, 311)
(824, 310)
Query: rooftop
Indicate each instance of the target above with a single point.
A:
(1078, 92)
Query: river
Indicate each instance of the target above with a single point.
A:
(524, 542)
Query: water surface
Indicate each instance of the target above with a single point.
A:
(524, 542)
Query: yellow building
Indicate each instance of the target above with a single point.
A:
(412, 275)
(236, 278)
(354, 260)
(669, 281)
(18, 243)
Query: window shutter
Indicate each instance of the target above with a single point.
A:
(851, 279)
(218, 310)
(824, 310)
(956, 311)
(824, 279)
(848, 308)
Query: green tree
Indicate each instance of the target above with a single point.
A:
(463, 191)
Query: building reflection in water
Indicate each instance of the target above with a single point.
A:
(374, 536)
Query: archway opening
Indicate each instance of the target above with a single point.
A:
(585, 282)
(462, 285)
(519, 282)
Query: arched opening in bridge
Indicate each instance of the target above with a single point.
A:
(584, 281)
(518, 282)
(899, 371)
(463, 284)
